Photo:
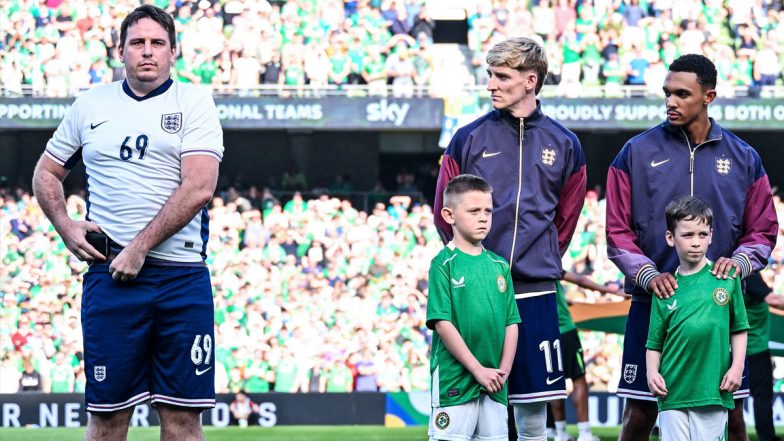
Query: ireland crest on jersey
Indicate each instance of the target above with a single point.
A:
(630, 373)
(171, 122)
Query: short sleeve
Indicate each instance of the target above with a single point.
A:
(657, 330)
(439, 298)
(65, 146)
(512, 313)
(202, 134)
(738, 320)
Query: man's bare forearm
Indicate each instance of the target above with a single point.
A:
(48, 190)
(178, 210)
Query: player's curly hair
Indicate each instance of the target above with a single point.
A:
(700, 65)
(155, 14)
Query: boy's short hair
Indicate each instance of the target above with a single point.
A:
(688, 208)
(520, 53)
(463, 184)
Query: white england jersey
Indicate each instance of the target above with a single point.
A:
(132, 149)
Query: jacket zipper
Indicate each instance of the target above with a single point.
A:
(692, 151)
(519, 190)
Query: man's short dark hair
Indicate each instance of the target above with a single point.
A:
(155, 14)
(688, 208)
(700, 65)
(463, 184)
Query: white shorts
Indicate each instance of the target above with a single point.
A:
(479, 419)
(695, 424)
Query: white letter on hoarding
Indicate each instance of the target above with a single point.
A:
(71, 417)
(47, 417)
(220, 415)
(11, 412)
(267, 417)
(140, 415)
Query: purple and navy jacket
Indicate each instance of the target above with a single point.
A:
(660, 165)
(537, 170)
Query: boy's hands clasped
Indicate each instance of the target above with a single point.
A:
(491, 379)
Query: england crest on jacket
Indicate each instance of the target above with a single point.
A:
(723, 166)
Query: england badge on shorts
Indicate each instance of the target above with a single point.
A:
(630, 373)
(171, 122)
(99, 373)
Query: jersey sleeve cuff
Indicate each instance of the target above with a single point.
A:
(645, 275)
(209, 152)
(653, 346)
(55, 158)
(744, 263)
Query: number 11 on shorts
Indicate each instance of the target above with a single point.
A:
(548, 357)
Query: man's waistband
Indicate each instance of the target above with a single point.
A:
(533, 287)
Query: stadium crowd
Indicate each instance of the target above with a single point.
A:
(58, 47)
(310, 295)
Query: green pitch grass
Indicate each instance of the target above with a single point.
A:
(289, 433)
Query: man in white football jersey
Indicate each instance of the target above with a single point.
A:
(151, 148)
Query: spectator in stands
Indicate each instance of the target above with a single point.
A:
(31, 379)
(243, 409)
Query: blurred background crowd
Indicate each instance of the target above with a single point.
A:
(310, 295)
(58, 47)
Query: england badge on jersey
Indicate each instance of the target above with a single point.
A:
(549, 156)
(630, 373)
(723, 166)
(100, 373)
(171, 122)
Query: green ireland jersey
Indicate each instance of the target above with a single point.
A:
(565, 323)
(475, 294)
(692, 331)
(759, 327)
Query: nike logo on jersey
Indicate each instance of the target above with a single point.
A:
(95, 126)
(656, 164)
(549, 381)
(489, 155)
(200, 372)
(459, 283)
(674, 305)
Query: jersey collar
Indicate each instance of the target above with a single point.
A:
(158, 91)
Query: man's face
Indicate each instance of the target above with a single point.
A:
(507, 86)
(147, 53)
(685, 98)
(691, 239)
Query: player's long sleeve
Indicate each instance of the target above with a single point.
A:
(571, 201)
(449, 169)
(760, 224)
(622, 247)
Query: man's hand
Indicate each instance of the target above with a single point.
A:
(775, 300)
(663, 286)
(656, 384)
(723, 267)
(732, 379)
(73, 234)
(128, 263)
(491, 379)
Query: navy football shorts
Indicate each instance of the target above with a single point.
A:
(150, 338)
(537, 372)
(633, 383)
